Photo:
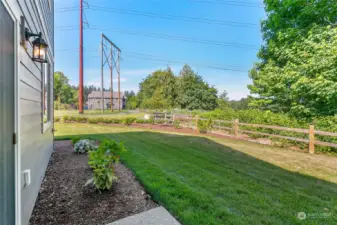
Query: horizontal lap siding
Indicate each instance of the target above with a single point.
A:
(36, 146)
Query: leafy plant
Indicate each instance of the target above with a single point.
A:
(204, 125)
(101, 161)
(66, 119)
(83, 146)
(140, 121)
(57, 119)
(93, 120)
(176, 124)
(128, 120)
(72, 118)
(81, 119)
(75, 140)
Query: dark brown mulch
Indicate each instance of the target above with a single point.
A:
(63, 198)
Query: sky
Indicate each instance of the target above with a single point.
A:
(150, 42)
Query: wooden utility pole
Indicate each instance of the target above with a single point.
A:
(80, 88)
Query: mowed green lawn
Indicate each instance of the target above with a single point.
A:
(221, 181)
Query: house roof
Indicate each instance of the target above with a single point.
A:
(106, 94)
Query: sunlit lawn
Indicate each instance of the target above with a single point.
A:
(220, 181)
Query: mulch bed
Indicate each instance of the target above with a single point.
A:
(63, 198)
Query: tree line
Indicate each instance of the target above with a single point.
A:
(161, 89)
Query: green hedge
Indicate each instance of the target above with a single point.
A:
(254, 116)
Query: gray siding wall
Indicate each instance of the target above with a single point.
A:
(36, 144)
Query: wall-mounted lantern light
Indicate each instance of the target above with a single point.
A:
(39, 44)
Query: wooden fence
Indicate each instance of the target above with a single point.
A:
(235, 127)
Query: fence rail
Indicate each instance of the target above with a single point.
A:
(235, 128)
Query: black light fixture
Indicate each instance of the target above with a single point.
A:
(40, 46)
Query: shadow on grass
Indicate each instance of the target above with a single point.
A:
(203, 182)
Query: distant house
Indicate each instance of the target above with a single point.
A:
(95, 100)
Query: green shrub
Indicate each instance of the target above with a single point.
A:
(57, 119)
(128, 120)
(75, 140)
(140, 121)
(160, 121)
(255, 116)
(101, 161)
(176, 124)
(81, 119)
(93, 120)
(151, 120)
(116, 121)
(72, 118)
(204, 125)
(66, 119)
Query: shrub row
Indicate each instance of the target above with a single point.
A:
(255, 116)
(107, 120)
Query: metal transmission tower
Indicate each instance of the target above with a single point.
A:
(110, 54)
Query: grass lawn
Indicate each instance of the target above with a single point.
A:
(220, 181)
(98, 113)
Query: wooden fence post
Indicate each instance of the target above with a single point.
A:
(236, 128)
(311, 139)
(196, 122)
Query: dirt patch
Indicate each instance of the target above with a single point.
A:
(63, 198)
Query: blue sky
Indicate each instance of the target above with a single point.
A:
(198, 55)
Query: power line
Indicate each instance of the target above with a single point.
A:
(168, 17)
(230, 3)
(169, 37)
(148, 57)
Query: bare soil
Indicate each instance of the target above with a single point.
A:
(64, 200)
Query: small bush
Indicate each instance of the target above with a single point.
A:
(75, 140)
(93, 120)
(204, 125)
(101, 161)
(151, 120)
(83, 146)
(116, 121)
(81, 119)
(128, 120)
(140, 121)
(176, 124)
(72, 118)
(66, 119)
(57, 119)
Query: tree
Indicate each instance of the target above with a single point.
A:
(59, 81)
(296, 72)
(161, 82)
(305, 84)
(241, 104)
(194, 92)
(224, 96)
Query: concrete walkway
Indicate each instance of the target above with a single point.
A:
(156, 216)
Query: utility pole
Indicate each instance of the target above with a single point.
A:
(80, 88)
(102, 74)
